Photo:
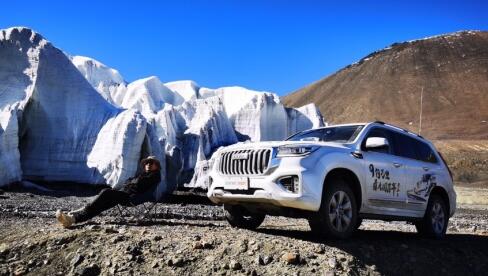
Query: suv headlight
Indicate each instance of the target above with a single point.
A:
(295, 150)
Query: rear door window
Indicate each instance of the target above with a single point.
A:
(404, 146)
(425, 152)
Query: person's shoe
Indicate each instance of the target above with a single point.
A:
(65, 219)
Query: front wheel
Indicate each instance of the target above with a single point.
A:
(434, 223)
(241, 218)
(337, 216)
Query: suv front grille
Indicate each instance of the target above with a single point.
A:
(245, 162)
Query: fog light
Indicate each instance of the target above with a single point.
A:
(290, 183)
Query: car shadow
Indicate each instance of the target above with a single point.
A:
(95, 225)
(405, 253)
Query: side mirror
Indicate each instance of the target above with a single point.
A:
(376, 142)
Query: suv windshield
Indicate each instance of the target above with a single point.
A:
(339, 134)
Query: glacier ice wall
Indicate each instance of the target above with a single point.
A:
(55, 125)
(17, 77)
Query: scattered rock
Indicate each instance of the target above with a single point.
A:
(169, 262)
(178, 262)
(259, 260)
(243, 246)
(267, 260)
(20, 271)
(130, 257)
(117, 239)
(235, 265)
(108, 263)
(332, 262)
(207, 245)
(134, 250)
(157, 238)
(94, 227)
(319, 249)
(111, 231)
(4, 249)
(64, 240)
(198, 245)
(92, 270)
(263, 260)
(291, 258)
(140, 259)
(77, 259)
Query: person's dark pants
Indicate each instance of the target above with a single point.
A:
(105, 200)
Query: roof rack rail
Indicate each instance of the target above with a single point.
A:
(405, 130)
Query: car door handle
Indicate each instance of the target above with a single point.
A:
(397, 165)
(425, 168)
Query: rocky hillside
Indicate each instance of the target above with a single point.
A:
(451, 70)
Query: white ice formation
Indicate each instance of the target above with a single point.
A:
(66, 131)
(54, 126)
(106, 80)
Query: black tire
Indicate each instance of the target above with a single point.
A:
(436, 218)
(241, 218)
(337, 216)
(358, 224)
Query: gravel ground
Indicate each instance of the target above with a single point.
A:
(190, 237)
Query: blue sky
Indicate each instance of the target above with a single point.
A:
(277, 46)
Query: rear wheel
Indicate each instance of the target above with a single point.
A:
(358, 223)
(337, 216)
(436, 218)
(238, 216)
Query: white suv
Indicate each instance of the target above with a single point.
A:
(336, 176)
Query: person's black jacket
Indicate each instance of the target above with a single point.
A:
(141, 183)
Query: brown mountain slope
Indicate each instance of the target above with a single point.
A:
(386, 85)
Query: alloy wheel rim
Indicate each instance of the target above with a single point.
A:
(340, 211)
(438, 218)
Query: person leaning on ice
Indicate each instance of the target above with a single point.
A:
(109, 197)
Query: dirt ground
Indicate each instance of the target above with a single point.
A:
(190, 237)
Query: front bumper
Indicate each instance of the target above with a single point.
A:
(266, 188)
